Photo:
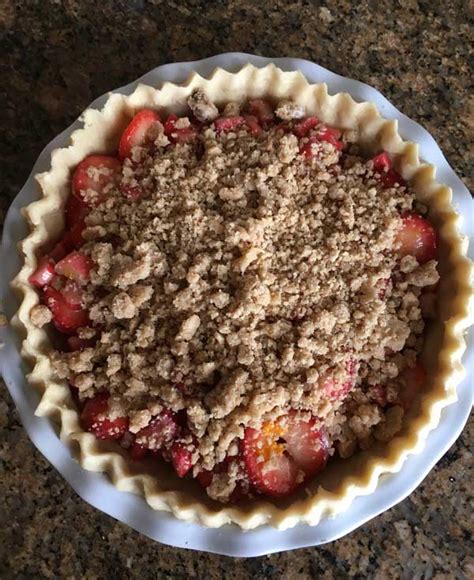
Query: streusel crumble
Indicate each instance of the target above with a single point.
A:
(244, 294)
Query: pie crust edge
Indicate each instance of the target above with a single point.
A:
(100, 135)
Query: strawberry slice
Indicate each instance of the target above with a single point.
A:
(303, 127)
(181, 458)
(283, 454)
(226, 124)
(138, 452)
(382, 162)
(181, 135)
(417, 237)
(307, 149)
(253, 125)
(59, 251)
(137, 132)
(323, 134)
(65, 318)
(262, 110)
(185, 134)
(72, 294)
(95, 419)
(204, 477)
(159, 432)
(43, 274)
(73, 239)
(330, 135)
(169, 125)
(94, 177)
(384, 167)
(76, 211)
(307, 445)
(75, 266)
(414, 380)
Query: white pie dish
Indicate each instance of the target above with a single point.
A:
(180, 73)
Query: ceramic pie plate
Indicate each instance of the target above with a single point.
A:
(160, 525)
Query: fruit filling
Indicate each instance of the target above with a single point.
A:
(241, 294)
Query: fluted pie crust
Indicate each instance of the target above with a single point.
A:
(333, 490)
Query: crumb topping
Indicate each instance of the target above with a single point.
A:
(246, 281)
(40, 315)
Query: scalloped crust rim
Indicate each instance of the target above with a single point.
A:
(162, 490)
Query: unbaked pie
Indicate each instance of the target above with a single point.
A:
(244, 298)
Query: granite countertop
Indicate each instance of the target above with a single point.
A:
(59, 56)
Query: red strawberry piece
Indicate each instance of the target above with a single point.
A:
(253, 125)
(181, 458)
(384, 167)
(323, 134)
(185, 134)
(76, 211)
(382, 162)
(226, 124)
(169, 125)
(131, 191)
(284, 126)
(43, 274)
(138, 452)
(65, 318)
(303, 127)
(94, 177)
(59, 251)
(413, 381)
(181, 135)
(95, 419)
(307, 149)
(283, 454)
(73, 239)
(330, 135)
(137, 132)
(392, 178)
(159, 432)
(72, 294)
(75, 266)
(307, 445)
(262, 110)
(417, 237)
(205, 477)
(75, 343)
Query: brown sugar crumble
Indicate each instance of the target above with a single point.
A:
(40, 315)
(246, 281)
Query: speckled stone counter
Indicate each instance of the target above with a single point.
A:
(57, 56)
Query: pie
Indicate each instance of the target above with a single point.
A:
(243, 298)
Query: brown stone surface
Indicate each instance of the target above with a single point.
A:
(57, 56)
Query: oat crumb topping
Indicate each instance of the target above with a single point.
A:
(248, 280)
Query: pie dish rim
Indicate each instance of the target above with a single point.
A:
(53, 406)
